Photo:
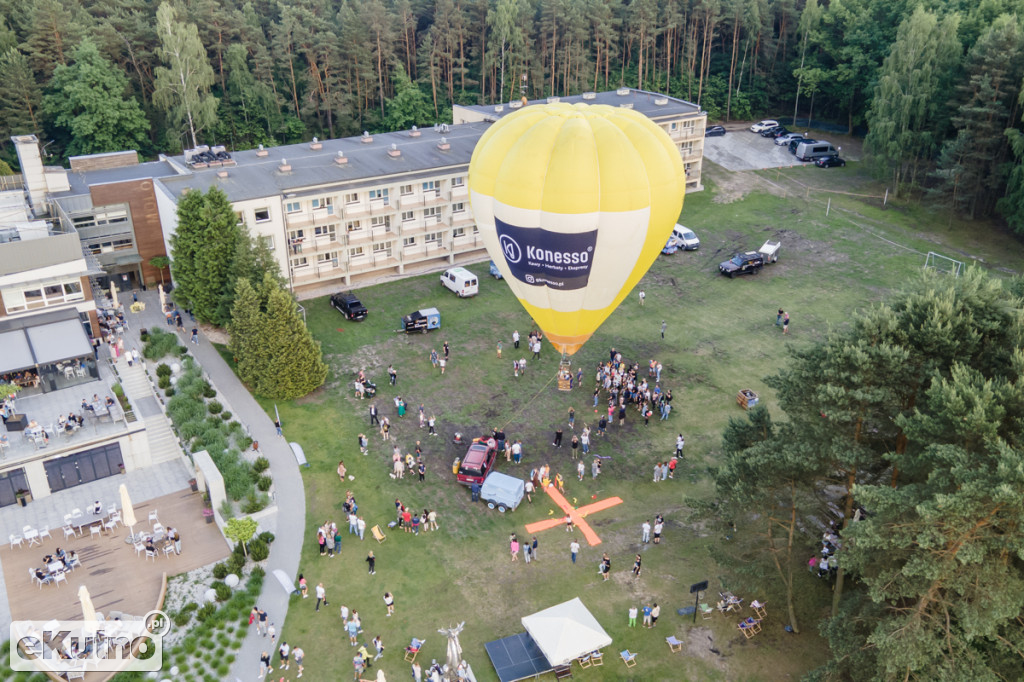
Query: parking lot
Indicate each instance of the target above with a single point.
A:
(741, 150)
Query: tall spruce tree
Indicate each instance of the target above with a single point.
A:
(20, 96)
(293, 363)
(203, 251)
(246, 327)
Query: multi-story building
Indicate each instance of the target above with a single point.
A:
(683, 121)
(334, 212)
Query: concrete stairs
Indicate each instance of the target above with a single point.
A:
(163, 444)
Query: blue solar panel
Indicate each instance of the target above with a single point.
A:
(517, 658)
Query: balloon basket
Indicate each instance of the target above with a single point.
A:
(564, 375)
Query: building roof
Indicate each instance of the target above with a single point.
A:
(81, 181)
(651, 104)
(255, 176)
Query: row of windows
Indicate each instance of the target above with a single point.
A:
(381, 194)
(42, 296)
(379, 249)
(110, 245)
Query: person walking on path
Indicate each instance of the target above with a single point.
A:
(262, 624)
(574, 550)
(371, 561)
(785, 324)
(321, 595)
(264, 664)
(664, 326)
(643, 295)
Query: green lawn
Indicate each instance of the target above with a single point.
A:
(721, 338)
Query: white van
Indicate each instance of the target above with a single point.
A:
(685, 238)
(461, 281)
(809, 151)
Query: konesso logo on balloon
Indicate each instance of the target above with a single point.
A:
(540, 257)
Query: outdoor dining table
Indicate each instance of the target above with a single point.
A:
(56, 567)
(32, 535)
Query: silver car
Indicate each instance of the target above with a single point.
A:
(783, 140)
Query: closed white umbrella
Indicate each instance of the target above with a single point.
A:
(88, 610)
(127, 511)
(163, 298)
(113, 294)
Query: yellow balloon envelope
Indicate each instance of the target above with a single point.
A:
(574, 202)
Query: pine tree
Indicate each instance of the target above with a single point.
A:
(20, 96)
(203, 252)
(247, 325)
(183, 85)
(88, 101)
(294, 365)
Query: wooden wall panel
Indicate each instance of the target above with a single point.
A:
(141, 200)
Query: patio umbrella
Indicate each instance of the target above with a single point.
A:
(113, 294)
(127, 511)
(88, 610)
(163, 297)
(454, 650)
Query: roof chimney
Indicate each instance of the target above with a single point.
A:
(415, 132)
(222, 174)
(340, 158)
(316, 144)
(443, 144)
(367, 137)
(261, 151)
(394, 152)
(284, 167)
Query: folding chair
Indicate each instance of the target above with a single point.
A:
(747, 631)
(597, 658)
(378, 534)
(706, 612)
(628, 658)
(760, 608)
(413, 649)
(60, 578)
(16, 540)
(674, 644)
(584, 661)
(563, 671)
(754, 624)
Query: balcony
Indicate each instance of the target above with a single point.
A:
(357, 210)
(321, 243)
(370, 263)
(421, 252)
(433, 198)
(466, 243)
(459, 192)
(685, 133)
(358, 236)
(462, 219)
(407, 201)
(378, 206)
(378, 233)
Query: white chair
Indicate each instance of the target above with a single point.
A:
(16, 540)
(112, 509)
(158, 528)
(80, 371)
(60, 578)
(76, 513)
(111, 524)
(150, 554)
(116, 518)
(44, 532)
(69, 532)
(139, 548)
(95, 530)
(168, 550)
(26, 529)
(33, 577)
(153, 518)
(75, 563)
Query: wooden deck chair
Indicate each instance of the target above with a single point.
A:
(760, 608)
(753, 623)
(628, 658)
(674, 644)
(378, 534)
(747, 631)
(584, 661)
(706, 612)
(413, 649)
(597, 658)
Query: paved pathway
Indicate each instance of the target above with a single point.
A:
(289, 524)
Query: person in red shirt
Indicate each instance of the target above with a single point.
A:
(407, 520)
(672, 467)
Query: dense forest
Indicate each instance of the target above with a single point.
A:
(934, 82)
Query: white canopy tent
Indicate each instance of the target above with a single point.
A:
(566, 631)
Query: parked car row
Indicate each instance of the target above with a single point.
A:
(821, 152)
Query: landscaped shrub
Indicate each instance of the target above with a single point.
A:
(144, 335)
(182, 350)
(258, 550)
(254, 503)
(226, 416)
(208, 391)
(220, 571)
(163, 370)
(181, 618)
(267, 537)
(160, 344)
(169, 393)
(205, 612)
(261, 464)
(235, 563)
(164, 382)
(214, 407)
(222, 590)
(263, 483)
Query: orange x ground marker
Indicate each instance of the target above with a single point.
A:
(578, 515)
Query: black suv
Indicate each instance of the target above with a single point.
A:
(348, 305)
(747, 263)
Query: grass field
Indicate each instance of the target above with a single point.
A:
(721, 337)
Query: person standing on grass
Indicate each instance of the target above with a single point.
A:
(433, 357)
(363, 443)
(572, 418)
(658, 526)
(378, 644)
(574, 550)
(785, 324)
(392, 375)
(373, 415)
(778, 317)
(283, 653)
(680, 442)
(606, 567)
(298, 655)
(430, 426)
(371, 561)
(643, 295)
(499, 350)
(664, 326)
(632, 616)
(558, 437)
(636, 566)
(421, 469)
(533, 548)
(264, 664)
(581, 469)
(647, 615)
(645, 532)
(389, 601)
(321, 595)
(514, 549)
(655, 612)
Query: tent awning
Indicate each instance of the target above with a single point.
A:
(566, 631)
(58, 341)
(15, 353)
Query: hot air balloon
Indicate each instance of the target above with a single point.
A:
(574, 202)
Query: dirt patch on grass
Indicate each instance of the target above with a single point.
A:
(732, 186)
(700, 643)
